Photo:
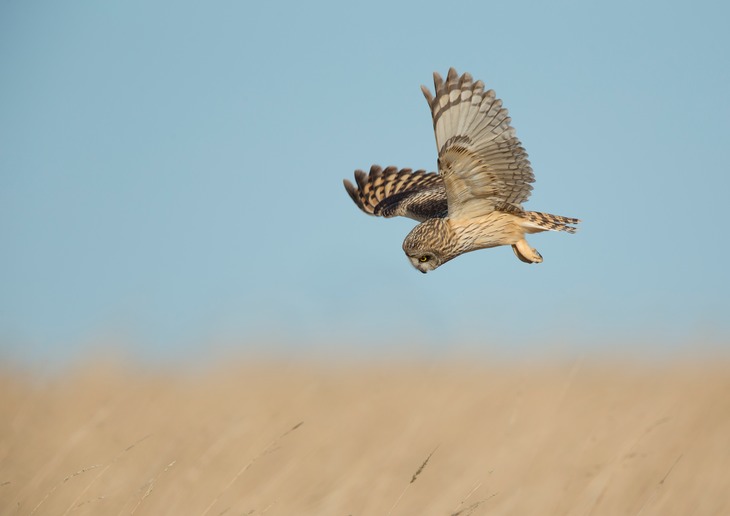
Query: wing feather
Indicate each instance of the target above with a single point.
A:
(481, 161)
(390, 192)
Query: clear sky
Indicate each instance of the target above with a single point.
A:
(171, 175)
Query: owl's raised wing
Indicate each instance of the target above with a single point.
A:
(390, 192)
(483, 164)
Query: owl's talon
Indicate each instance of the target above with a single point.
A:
(525, 253)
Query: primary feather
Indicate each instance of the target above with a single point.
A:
(390, 192)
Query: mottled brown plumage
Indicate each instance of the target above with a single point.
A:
(390, 192)
(475, 200)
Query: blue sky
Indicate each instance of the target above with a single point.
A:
(171, 176)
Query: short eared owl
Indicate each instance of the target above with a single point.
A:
(475, 199)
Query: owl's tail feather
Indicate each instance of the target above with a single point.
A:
(548, 222)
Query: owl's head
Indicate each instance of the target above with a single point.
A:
(429, 245)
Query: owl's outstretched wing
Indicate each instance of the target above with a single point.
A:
(390, 192)
(483, 164)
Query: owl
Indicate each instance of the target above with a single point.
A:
(475, 199)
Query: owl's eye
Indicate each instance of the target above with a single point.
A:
(423, 259)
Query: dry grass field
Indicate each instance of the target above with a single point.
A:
(294, 439)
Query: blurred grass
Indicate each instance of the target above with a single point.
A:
(283, 438)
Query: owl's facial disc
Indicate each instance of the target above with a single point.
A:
(424, 262)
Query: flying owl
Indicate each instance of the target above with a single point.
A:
(475, 199)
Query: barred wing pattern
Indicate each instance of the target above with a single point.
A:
(390, 192)
(481, 161)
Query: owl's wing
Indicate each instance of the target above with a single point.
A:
(390, 192)
(482, 162)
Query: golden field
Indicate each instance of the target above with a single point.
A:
(277, 438)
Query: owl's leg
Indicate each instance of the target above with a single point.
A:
(525, 253)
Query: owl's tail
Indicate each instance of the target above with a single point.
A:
(536, 222)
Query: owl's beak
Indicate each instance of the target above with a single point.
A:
(422, 271)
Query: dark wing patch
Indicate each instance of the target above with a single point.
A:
(390, 192)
